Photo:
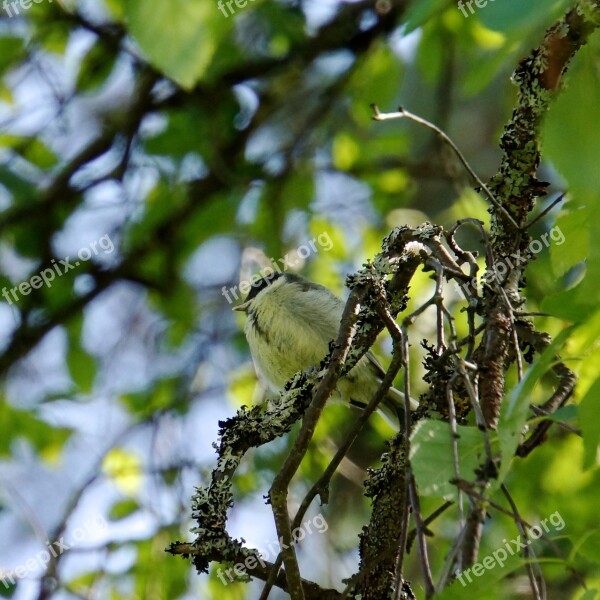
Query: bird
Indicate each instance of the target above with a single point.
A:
(290, 323)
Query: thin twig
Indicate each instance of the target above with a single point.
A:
(539, 592)
(545, 211)
(323, 482)
(404, 114)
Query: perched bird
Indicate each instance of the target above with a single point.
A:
(290, 324)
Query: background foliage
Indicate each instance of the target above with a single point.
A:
(189, 137)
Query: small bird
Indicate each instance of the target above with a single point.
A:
(290, 324)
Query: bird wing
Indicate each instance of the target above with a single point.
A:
(376, 365)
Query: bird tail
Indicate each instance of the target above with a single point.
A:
(393, 405)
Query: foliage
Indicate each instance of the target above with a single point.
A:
(200, 143)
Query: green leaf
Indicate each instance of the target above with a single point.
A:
(12, 49)
(589, 546)
(161, 396)
(123, 509)
(95, 67)
(571, 125)
(125, 470)
(182, 135)
(179, 37)
(589, 410)
(116, 9)
(46, 439)
(20, 189)
(573, 227)
(345, 151)
(481, 582)
(379, 72)
(432, 459)
(514, 16)
(581, 302)
(7, 589)
(419, 13)
(515, 409)
(166, 578)
(565, 414)
(82, 366)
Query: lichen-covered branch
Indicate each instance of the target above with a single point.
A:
(538, 78)
(469, 373)
(387, 487)
(516, 187)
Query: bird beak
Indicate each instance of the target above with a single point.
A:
(242, 306)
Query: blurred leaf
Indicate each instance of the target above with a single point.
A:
(572, 122)
(179, 305)
(83, 583)
(481, 580)
(419, 13)
(585, 345)
(82, 366)
(345, 151)
(432, 51)
(161, 396)
(123, 509)
(12, 49)
(580, 303)
(569, 414)
(221, 586)
(161, 203)
(95, 67)
(393, 181)
(167, 579)
(331, 238)
(381, 71)
(7, 589)
(572, 225)
(589, 412)
(590, 546)
(242, 384)
(19, 188)
(51, 31)
(124, 469)
(38, 154)
(514, 16)
(181, 136)
(179, 38)
(17, 423)
(486, 38)
(116, 9)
